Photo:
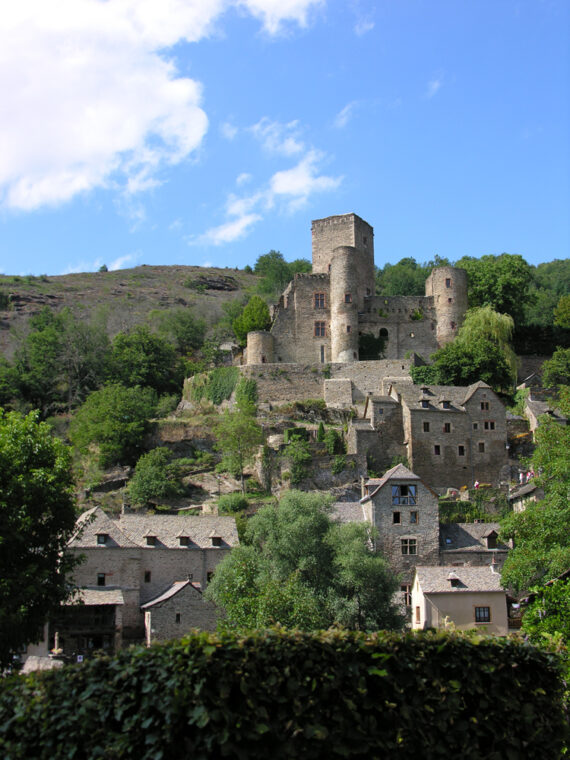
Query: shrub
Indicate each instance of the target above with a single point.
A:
(338, 465)
(230, 503)
(292, 695)
(334, 442)
(215, 386)
(295, 434)
(167, 404)
(321, 433)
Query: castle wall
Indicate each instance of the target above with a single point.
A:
(344, 298)
(408, 322)
(448, 287)
(260, 347)
(335, 231)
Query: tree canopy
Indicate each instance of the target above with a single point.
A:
(37, 518)
(299, 568)
(239, 436)
(154, 478)
(276, 273)
(255, 316)
(542, 532)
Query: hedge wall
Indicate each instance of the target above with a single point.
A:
(291, 695)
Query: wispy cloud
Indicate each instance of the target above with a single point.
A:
(229, 231)
(229, 131)
(433, 86)
(243, 179)
(278, 138)
(363, 26)
(343, 117)
(114, 111)
(122, 261)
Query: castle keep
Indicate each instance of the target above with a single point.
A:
(333, 316)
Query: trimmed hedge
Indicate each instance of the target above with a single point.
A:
(292, 695)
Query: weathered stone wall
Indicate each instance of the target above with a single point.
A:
(260, 347)
(338, 393)
(334, 231)
(344, 297)
(391, 317)
(448, 287)
(193, 611)
(425, 531)
(283, 383)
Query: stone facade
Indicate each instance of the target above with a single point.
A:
(137, 558)
(322, 317)
(177, 611)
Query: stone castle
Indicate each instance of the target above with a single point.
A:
(330, 314)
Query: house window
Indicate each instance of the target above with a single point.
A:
(409, 546)
(147, 576)
(414, 518)
(100, 579)
(450, 300)
(348, 328)
(406, 590)
(425, 404)
(475, 426)
(396, 518)
(445, 405)
(447, 427)
(492, 541)
(481, 448)
(461, 451)
(418, 617)
(184, 540)
(216, 541)
(482, 614)
(322, 354)
(319, 330)
(485, 406)
(448, 282)
(209, 575)
(348, 297)
(102, 538)
(437, 449)
(403, 494)
(151, 540)
(177, 618)
(319, 300)
(489, 425)
(426, 427)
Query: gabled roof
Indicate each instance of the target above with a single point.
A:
(457, 395)
(467, 537)
(475, 387)
(94, 522)
(176, 587)
(399, 472)
(93, 597)
(436, 580)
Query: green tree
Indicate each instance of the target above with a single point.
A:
(562, 312)
(542, 532)
(556, 371)
(154, 478)
(406, 278)
(239, 437)
(255, 316)
(114, 419)
(141, 358)
(9, 388)
(462, 364)
(274, 271)
(180, 327)
(300, 569)
(37, 518)
(501, 282)
(485, 323)
(549, 613)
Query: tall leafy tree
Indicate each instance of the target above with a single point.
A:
(239, 437)
(181, 328)
(301, 569)
(542, 532)
(37, 518)
(115, 420)
(154, 478)
(255, 316)
(141, 358)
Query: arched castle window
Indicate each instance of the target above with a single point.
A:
(383, 332)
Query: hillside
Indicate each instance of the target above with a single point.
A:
(122, 298)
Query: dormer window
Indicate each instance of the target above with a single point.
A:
(453, 580)
(446, 405)
(151, 540)
(184, 540)
(403, 494)
(425, 404)
(102, 538)
(216, 540)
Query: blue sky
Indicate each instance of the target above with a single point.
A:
(208, 132)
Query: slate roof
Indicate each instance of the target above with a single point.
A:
(93, 597)
(523, 491)
(176, 587)
(348, 511)
(399, 472)
(470, 537)
(435, 580)
(457, 395)
(130, 531)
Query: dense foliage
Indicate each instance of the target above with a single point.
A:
(556, 371)
(276, 272)
(292, 695)
(37, 518)
(238, 438)
(115, 419)
(154, 478)
(542, 532)
(216, 386)
(255, 316)
(301, 569)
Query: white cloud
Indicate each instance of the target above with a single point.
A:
(281, 139)
(122, 261)
(228, 130)
(89, 101)
(433, 86)
(207, 264)
(363, 26)
(83, 266)
(302, 180)
(343, 117)
(230, 231)
(243, 179)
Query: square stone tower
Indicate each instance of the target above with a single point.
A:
(335, 231)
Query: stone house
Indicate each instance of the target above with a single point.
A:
(330, 314)
(468, 597)
(472, 544)
(175, 612)
(133, 560)
(529, 493)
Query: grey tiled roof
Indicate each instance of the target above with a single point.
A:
(130, 531)
(435, 580)
(467, 536)
(170, 592)
(95, 596)
(457, 395)
(399, 472)
(348, 511)
(523, 491)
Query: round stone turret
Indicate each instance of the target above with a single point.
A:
(448, 287)
(344, 287)
(260, 345)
